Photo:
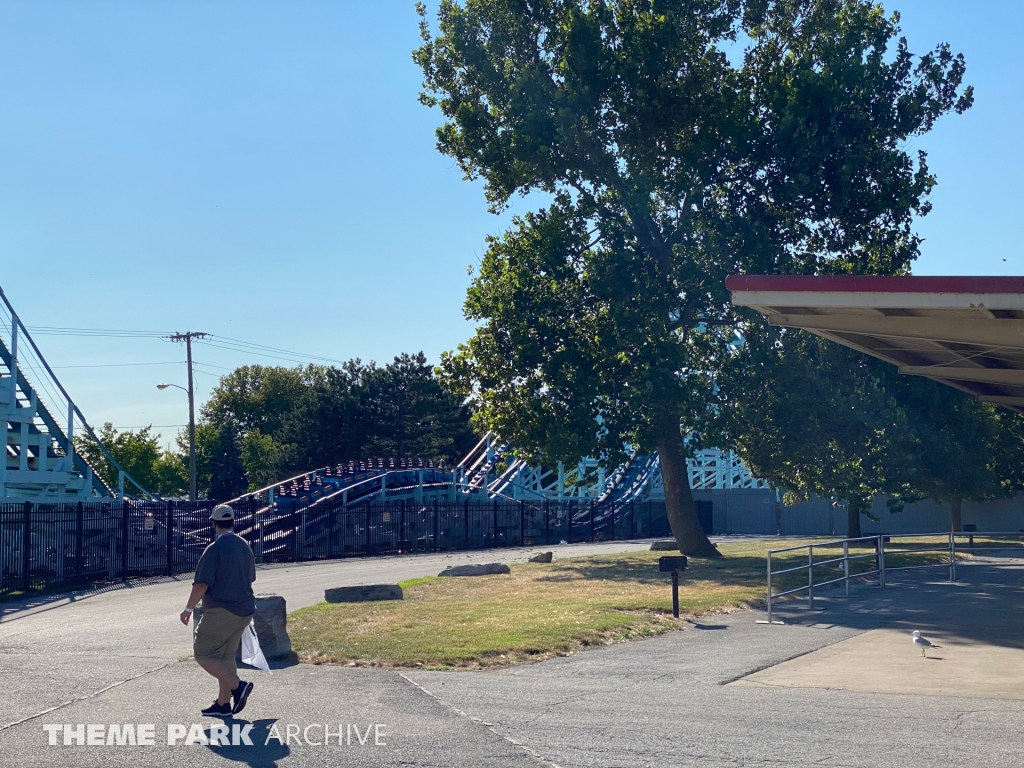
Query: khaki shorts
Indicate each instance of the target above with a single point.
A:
(218, 633)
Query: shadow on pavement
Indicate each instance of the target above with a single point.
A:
(265, 750)
(985, 605)
(10, 608)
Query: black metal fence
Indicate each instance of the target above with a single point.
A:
(52, 546)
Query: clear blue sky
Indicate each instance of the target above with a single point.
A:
(263, 171)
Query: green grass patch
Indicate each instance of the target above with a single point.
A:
(410, 583)
(538, 611)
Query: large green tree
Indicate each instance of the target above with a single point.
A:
(815, 418)
(820, 419)
(263, 424)
(677, 141)
(138, 452)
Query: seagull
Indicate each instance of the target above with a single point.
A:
(923, 643)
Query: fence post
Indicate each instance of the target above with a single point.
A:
(568, 522)
(810, 577)
(632, 521)
(169, 528)
(79, 538)
(650, 519)
(846, 566)
(547, 523)
(494, 529)
(952, 556)
(367, 530)
(881, 560)
(26, 547)
(522, 524)
(401, 526)
(591, 519)
(437, 525)
(125, 508)
(465, 523)
(769, 588)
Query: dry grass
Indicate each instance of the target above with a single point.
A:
(536, 612)
(541, 611)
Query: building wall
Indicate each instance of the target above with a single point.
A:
(741, 510)
(753, 511)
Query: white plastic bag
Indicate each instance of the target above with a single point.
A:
(252, 654)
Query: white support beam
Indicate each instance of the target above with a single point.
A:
(1006, 376)
(987, 333)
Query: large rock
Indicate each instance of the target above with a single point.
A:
(363, 593)
(271, 622)
(668, 545)
(543, 557)
(476, 569)
(272, 626)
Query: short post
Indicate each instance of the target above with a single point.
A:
(881, 561)
(846, 566)
(673, 564)
(810, 576)
(769, 587)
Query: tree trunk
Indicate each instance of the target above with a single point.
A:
(679, 506)
(956, 517)
(853, 520)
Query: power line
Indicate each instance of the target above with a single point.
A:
(250, 345)
(220, 342)
(122, 365)
(297, 358)
(49, 330)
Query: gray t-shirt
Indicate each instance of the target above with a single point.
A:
(228, 568)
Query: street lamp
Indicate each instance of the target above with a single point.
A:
(191, 439)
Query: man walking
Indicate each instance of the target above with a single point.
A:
(223, 581)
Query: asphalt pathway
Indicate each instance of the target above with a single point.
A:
(682, 699)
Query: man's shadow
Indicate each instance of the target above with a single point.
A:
(263, 753)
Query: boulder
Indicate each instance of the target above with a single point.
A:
(543, 557)
(363, 593)
(476, 569)
(271, 622)
(668, 545)
(272, 626)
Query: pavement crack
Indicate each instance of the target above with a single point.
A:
(83, 698)
(489, 726)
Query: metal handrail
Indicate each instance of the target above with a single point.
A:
(880, 541)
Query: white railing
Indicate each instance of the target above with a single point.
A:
(945, 544)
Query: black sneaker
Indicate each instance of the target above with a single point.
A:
(240, 695)
(217, 710)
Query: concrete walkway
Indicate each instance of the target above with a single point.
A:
(978, 621)
(698, 697)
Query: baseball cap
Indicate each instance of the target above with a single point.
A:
(222, 512)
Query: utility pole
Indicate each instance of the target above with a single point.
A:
(187, 338)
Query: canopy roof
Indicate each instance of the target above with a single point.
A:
(966, 332)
